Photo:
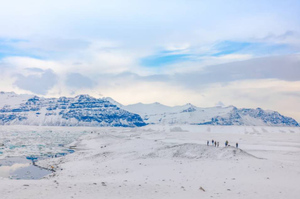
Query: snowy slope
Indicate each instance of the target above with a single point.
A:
(12, 99)
(189, 114)
(155, 162)
(83, 110)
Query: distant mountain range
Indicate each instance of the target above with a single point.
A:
(84, 110)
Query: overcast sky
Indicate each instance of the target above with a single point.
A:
(241, 53)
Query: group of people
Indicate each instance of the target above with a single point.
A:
(213, 142)
(216, 144)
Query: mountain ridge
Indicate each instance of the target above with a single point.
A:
(85, 110)
(82, 110)
(189, 114)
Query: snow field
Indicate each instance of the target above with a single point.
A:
(168, 162)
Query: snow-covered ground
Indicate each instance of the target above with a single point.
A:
(169, 162)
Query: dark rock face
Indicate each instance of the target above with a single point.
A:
(237, 117)
(82, 110)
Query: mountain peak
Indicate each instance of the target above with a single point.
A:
(83, 96)
(111, 100)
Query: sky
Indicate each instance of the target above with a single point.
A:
(204, 52)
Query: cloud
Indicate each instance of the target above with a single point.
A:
(76, 80)
(37, 70)
(149, 51)
(23, 63)
(252, 69)
(291, 93)
(269, 83)
(277, 67)
(38, 84)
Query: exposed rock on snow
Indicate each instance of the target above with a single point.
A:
(83, 110)
(189, 114)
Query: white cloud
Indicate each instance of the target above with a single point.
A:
(20, 64)
(104, 41)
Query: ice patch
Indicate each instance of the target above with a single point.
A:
(45, 143)
(21, 168)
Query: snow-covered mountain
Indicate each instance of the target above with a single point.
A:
(157, 113)
(83, 110)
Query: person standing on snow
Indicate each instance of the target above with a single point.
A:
(207, 143)
(226, 143)
(237, 145)
(215, 143)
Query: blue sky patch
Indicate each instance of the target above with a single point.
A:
(8, 49)
(163, 59)
(166, 57)
(230, 47)
(254, 48)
